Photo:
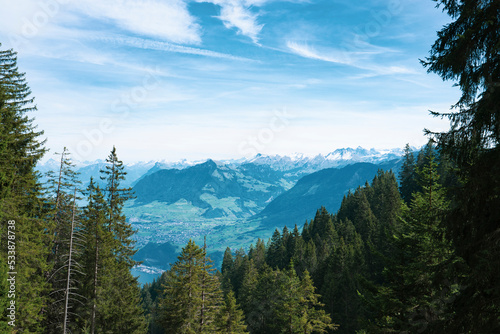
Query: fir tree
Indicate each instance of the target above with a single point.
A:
(407, 176)
(20, 194)
(122, 308)
(467, 51)
(191, 294)
(421, 285)
(231, 319)
(116, 196)
(96, 257)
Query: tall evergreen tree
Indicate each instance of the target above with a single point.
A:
(20, 194)
(96, 258)
(407, 176)
(421, 285)
(122, 309)
(191, 294)
(230, 319)
(116, 196)
(467, 51)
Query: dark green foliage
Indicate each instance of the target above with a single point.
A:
(112, 294)
(467, 51)
(420, 284)
(231, 319)
(191, 294)
(4, 300)
(121, 309)
(116, 197)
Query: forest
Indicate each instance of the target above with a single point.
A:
(418, 254)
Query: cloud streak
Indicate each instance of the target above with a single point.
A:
(307, 51)
(148, 44)
(359, 59)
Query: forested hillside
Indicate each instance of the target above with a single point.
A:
(421, 256)
(371, 266)
(64, 268)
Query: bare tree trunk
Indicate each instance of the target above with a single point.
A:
(94, 306)
(69, 264)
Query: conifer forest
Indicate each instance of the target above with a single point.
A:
(412, 251)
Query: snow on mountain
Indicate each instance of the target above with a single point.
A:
(338, 158)
(295, 163)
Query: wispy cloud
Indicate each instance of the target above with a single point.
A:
(238, 14)
(307, 51)
(148, 44)
(360, 58)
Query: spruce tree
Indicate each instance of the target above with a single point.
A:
(122, 308)
(20, 194)
(96, 258)
(191, 294)
(230, 319)
(407, 178)
(421, 284)
(116, 196)
(466, 50)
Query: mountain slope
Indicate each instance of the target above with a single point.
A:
(220, 190)
(324, 188)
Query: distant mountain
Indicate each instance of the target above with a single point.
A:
(297, 164)
(338, 158)
(88, 169)
(219, 190)
(325, 188)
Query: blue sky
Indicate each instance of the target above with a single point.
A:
(194, 79)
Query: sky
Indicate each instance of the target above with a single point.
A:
(195, 79)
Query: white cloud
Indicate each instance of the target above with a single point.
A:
(238, 14)
(167, 20)
(164, 20)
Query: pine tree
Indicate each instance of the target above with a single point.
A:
(191, 294)
(20, 194)
(114, 174)
(230, 319)
(276, 251)
(122, 308)
(226, 270)
(313, 318)
(258, 254)
(407, 176)
(96, 258)
(421, 285)
(467, 51)
(297, 309)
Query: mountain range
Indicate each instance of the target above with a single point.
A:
(234, 202)
(297, 163)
